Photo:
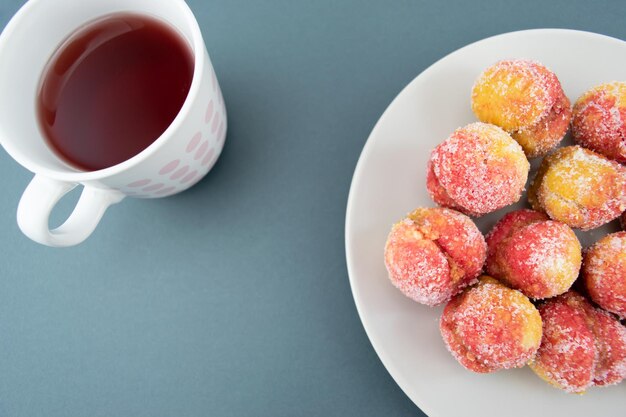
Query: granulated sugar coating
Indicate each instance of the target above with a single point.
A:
(433, 254)
(604, 273)
(526, 99)
(599, 121)
(581, 345)
(545, 135)
(579, 187)
(478, 169)
(537, 256)
(502, 231)
(490, 327)
(611, 346)
(567, 356)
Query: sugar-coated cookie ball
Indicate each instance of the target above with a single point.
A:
(529, 252)
(526, 99)
(579, 187)
(490, 327)
(610, 337)
(503, 230)
(567, 355)
(604, 273)
(581, 345)
(478, 169)
(599, 121)
(433, 254)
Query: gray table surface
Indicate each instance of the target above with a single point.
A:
(232, 299)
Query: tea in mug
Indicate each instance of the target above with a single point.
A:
(112, 88)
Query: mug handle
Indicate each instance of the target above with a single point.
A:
(40, 197)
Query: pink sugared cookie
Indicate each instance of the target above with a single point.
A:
(599, 121)
(579, 187)
(610, 337)
(478, 169)
(529, 252)
(433, 254)
(604, 273)
(567, 356)
(526, 99)
(581, 346)
(490, 327)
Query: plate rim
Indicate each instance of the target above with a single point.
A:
(419, 400)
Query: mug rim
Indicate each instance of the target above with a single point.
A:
(80, 176)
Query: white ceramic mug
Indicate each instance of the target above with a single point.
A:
(179, 158)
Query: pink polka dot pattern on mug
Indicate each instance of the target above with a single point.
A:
(208, 157)
(201, 150)
(139, 183)
(193, 174)
(209, 112)
(215, 124)
(221, 132)
(171, 166)
(193, 143)
(198, 154)
(153, 187)
(166, 191)
(180, 173)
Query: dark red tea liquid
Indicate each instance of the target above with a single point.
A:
(112, 88)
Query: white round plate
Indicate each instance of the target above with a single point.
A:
(390, 181)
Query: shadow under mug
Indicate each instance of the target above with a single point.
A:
(179, 158)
